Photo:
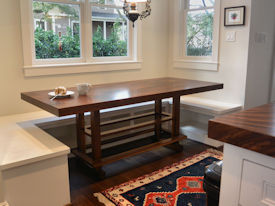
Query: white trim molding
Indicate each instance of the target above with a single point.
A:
(77, 68)
(199, 65)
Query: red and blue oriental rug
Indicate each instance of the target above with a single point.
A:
(180, 184)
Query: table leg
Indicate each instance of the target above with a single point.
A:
(158, 111)
(176, 124)
(176, 116)
(96, 140)
(80, 129)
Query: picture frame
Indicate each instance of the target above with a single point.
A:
(234, 16)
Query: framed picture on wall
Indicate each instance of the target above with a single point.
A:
(234, 16)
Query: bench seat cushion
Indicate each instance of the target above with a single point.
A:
(208, 106)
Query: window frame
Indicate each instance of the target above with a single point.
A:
(86, 58)
(72, 25)
(181, 60)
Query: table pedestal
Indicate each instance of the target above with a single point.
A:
(96, 160)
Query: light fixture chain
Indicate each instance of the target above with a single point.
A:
(147, 11)
(126, 9)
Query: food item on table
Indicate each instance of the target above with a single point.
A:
(60, 91)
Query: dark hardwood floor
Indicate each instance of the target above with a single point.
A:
(84, 181)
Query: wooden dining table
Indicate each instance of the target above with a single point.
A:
(120, 94)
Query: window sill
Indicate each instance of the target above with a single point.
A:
(198, 65)
(77, 68)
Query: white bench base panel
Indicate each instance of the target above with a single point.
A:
(41, 183)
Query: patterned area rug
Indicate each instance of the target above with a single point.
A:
(180, 184)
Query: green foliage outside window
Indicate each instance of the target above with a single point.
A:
(199, 33)
(112, 46)
(48, 45)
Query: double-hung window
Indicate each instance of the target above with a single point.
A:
(198, 27)
(58, 33)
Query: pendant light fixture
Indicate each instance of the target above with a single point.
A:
(131, 11)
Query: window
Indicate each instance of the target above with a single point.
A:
(56, 40)
(57, 32)
(110, 31)
(40, 23)
(198, 27)
(75, 28)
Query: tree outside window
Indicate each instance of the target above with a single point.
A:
(199, 27)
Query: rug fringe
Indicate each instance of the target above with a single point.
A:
(214, 151)
(102, 199)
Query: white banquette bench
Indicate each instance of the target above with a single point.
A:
(195, 113)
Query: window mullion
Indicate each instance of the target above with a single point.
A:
(87, 24)
(104, 30)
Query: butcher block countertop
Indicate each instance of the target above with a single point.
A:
(252, 129)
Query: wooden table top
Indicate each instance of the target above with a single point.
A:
(252, 129)
(118, 94)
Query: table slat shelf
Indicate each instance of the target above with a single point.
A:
(129, 153)
(128, 128)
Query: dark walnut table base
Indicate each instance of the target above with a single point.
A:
(161, 137)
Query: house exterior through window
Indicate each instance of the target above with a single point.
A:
(110, 27)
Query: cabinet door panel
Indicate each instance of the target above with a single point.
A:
(257, 185)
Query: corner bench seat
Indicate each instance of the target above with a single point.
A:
(208, 106)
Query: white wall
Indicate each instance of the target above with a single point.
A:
(13, 82)
(232, 59)
(260, 57)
